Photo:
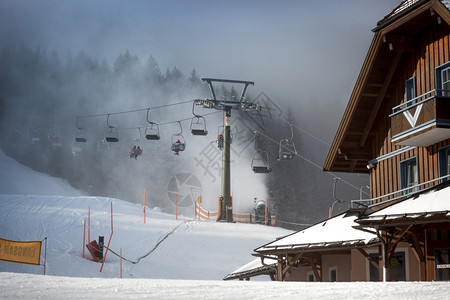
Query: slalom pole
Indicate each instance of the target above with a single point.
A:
(84, 234)
(89, 224)
(45, 254)
(110, 237)
(145, 197)
(120, 262)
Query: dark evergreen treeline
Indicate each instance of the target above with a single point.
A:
(42, 89)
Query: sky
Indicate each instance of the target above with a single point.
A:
(288, 48)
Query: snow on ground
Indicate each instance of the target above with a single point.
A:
(190, 263)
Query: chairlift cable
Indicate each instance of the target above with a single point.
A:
(316, 165)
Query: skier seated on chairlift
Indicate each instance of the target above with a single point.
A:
(220, 141)
(135, 152)
(176, 147)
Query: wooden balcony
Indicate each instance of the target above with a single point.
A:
(422, 121)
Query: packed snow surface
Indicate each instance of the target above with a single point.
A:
(190, 262)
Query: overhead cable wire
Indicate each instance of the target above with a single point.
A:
(314, 164)
(134, 110)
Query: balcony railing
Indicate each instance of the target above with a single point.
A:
(413, 123)
(397, 195)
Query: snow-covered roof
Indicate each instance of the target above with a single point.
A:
(253, 268)
(431, 204)
(403, 8)
(334, 232)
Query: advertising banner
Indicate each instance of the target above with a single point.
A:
(21, 252)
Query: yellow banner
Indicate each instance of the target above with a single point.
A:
(21, 252)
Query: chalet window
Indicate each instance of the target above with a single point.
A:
(397, 267)
(333, 274)
(410, 89)
(444, 162)
(443, 80)
(408, 175)
(310, 276)
(442, 264)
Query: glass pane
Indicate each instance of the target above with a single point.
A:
(446, 82)
(442, 264)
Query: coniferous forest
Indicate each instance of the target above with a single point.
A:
(45, 94)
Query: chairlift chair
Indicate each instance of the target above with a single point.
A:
(102, 147)
(260, 162)
(287, 149)
(80, 136)
(35, 137)
(111, 133)
(198, 126)
(198, 123)
(54, 138)
(152, 129)
(77, 148)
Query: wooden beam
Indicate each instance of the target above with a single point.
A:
(394, 242)
(316, 267)
(380, 98)
(420, 252)
(371, 260)
(291, 263)
(280, 268)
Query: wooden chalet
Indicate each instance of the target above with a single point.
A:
(396, 128)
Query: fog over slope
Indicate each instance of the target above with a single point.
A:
(63, 59)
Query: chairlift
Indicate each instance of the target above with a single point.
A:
(77, 148)
(287, 149)
(198, 124)
(111, 133)
(14, 134)
(80, 136)
(178, 142)
(136, 150)
(102, 147)
(260, 162)
(35, 137)
(151, 130)
(260, 159)
(54, 137)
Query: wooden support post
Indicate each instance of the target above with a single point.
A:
(280, 268)
(369, 258)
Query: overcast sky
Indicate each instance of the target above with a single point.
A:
(274, 43)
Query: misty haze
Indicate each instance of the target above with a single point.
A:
(73, 69)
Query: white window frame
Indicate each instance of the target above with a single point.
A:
(331, 269)
(308, 274)
(405, 180)
(408, 83)
(441, 72)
